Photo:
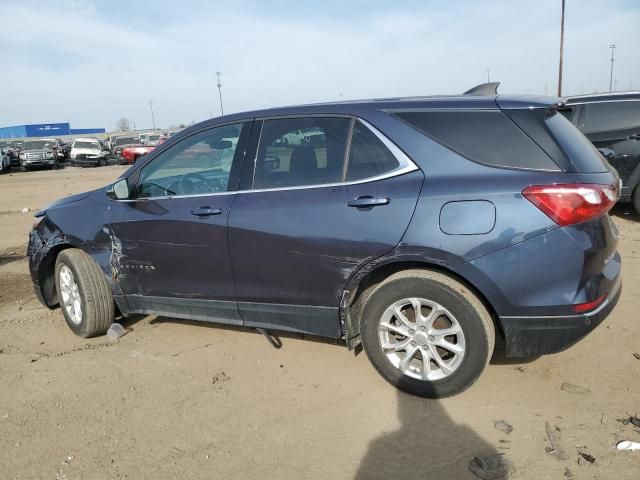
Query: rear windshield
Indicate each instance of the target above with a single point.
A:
(581, 152)
(127, 140)
(91, 145)
(485, 136)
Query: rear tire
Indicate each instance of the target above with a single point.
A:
(431, 371)
(636, 200)
(84, 294)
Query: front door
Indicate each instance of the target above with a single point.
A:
(317, 210)
(170, 253)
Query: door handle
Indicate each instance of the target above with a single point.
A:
(367, 201)
(635, 136)
(206, 212)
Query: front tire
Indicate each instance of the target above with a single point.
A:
(83, 293)
(426, 333)
(636, 200)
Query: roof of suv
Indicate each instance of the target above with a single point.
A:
(474, 102)
(604, 97)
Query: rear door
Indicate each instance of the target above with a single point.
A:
(316, 211)
(615, 125)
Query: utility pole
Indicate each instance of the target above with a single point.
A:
(488, 75)
(220, 92)
(612, 47)
(153, 119)
(561, 51)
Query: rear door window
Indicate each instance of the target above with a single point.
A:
(487, 137)
(301, 151)
(295, 152)
(608, 116)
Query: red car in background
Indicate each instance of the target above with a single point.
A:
(131, 154)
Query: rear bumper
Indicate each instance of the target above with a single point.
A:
(528, 336)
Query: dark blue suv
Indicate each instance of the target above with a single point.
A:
(426, 229)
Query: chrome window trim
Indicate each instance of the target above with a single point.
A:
(406, 165)
(569, 103)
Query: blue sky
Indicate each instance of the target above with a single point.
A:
(93, 62)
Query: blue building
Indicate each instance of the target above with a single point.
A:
(45, 130)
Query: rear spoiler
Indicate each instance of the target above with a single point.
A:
(490, 88)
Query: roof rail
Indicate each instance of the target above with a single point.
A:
(490, 88)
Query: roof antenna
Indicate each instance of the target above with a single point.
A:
(489, 88)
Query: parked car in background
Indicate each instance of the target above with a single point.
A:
(5, 162)
(422, 228)
(39, 153)
(120, 143)
(132, 154)
(611, 122)
(12, 149)
(150, 139)
(87, 152)
(65, 149)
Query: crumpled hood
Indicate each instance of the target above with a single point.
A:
(67, 200)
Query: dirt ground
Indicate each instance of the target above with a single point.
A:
(174, 399)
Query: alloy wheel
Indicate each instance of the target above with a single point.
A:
(421, 338)
(70, 295)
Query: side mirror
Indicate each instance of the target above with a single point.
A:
(119, 190)
(271, 163)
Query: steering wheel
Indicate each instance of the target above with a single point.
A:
(194, 183)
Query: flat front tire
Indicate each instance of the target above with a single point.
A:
(83, 293)
(426, 333)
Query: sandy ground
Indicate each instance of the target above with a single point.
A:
(175, 399)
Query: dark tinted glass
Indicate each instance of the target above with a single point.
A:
(486, 137)
(599, 117)
(368, 156)
(301, 151)
(575, 145)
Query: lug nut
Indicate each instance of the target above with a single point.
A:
(412, 332)
(432, 338)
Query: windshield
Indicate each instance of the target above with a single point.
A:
(126, 140)
(91, 145)
(153, 138)
(36, 145)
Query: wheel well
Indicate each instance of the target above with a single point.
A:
(46, 275)
(375, 277)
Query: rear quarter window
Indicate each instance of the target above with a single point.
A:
(486, 137)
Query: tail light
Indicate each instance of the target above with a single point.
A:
(585, 307)
(572, 203)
